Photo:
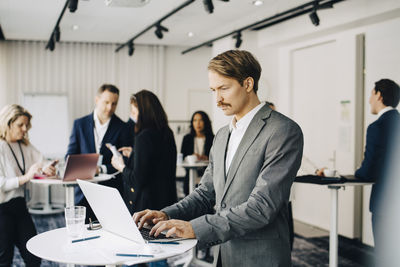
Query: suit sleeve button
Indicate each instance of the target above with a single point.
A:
(130, 202)
(132, 190)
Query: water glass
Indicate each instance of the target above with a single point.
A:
(75, 220)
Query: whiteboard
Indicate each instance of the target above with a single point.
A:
(50, 123)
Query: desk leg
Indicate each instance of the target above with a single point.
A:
(333, 235)
(192, 179)
(69, 196)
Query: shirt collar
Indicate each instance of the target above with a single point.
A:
(246, 119)
(384, 110)
(97, 121)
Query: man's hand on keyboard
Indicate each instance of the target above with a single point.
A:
(149, 216)
(177, 228)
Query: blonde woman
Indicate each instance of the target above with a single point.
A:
(19, 162)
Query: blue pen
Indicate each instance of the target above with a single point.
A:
(134, 255)
(166, 242)
(84, 239)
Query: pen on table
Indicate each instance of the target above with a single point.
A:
(86, 238)
(164, 243)
(134, 255)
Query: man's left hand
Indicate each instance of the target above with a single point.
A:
(175, 227)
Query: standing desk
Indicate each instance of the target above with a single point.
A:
(69, 186)
(334, 184)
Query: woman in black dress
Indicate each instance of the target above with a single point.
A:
(198, 142)
(149, 174)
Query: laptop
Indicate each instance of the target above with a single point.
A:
(114, 216)
(80, 166)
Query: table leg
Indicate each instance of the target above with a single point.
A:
(69, 196)
(333, 235)
(192, 179)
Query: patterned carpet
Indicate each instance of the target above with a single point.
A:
(307, 252)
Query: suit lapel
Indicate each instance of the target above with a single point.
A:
(90, 134)
(255, 126)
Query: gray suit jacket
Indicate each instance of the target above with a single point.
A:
(246, 210)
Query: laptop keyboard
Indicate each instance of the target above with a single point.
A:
(146, 235)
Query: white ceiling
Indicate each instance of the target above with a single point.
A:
(35, 20)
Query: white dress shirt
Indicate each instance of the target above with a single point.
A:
(384, 110)
(99, 132)
(9, 171)
(238, 129)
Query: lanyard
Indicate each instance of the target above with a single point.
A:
(15, 157)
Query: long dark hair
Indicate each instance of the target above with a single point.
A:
(151, 113)
(207, 131)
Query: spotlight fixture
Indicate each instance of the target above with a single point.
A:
(51, 45)
(238, 38)
(131, 49)
(159, 31)
(313, 15)
(57, 34)
(314, 18)
(208, 5)
(73, 5)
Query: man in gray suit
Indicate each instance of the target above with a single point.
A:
(241, 202)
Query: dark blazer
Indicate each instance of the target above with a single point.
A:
(131, 129)
(188, 145)
(82, 141)
(149, 177)
(379, 135)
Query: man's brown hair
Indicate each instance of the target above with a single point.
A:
(237, 64)
(108, 87)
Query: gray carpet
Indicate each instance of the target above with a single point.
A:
(307, 252)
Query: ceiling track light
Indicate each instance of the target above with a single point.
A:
(238, 38)
(55, 35)
(314, 18)
(159, 31)
(208, 5)
(159, 28)
(73, 5)
(313, 15)
(131, 49)
(273, 20)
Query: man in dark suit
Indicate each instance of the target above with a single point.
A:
(91, 133)
(383, 101)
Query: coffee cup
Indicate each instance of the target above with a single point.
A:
(329, 173)
(191, 159)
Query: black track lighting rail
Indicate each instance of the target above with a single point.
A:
(158, 22)
(280, 17)
(56, 27)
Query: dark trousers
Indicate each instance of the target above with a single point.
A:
(16, 228)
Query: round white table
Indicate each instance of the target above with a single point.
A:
(55, 246)
(192, 168)
(69, 186)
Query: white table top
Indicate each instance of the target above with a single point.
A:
(198, 164)
(53, 181)
(55, 246)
